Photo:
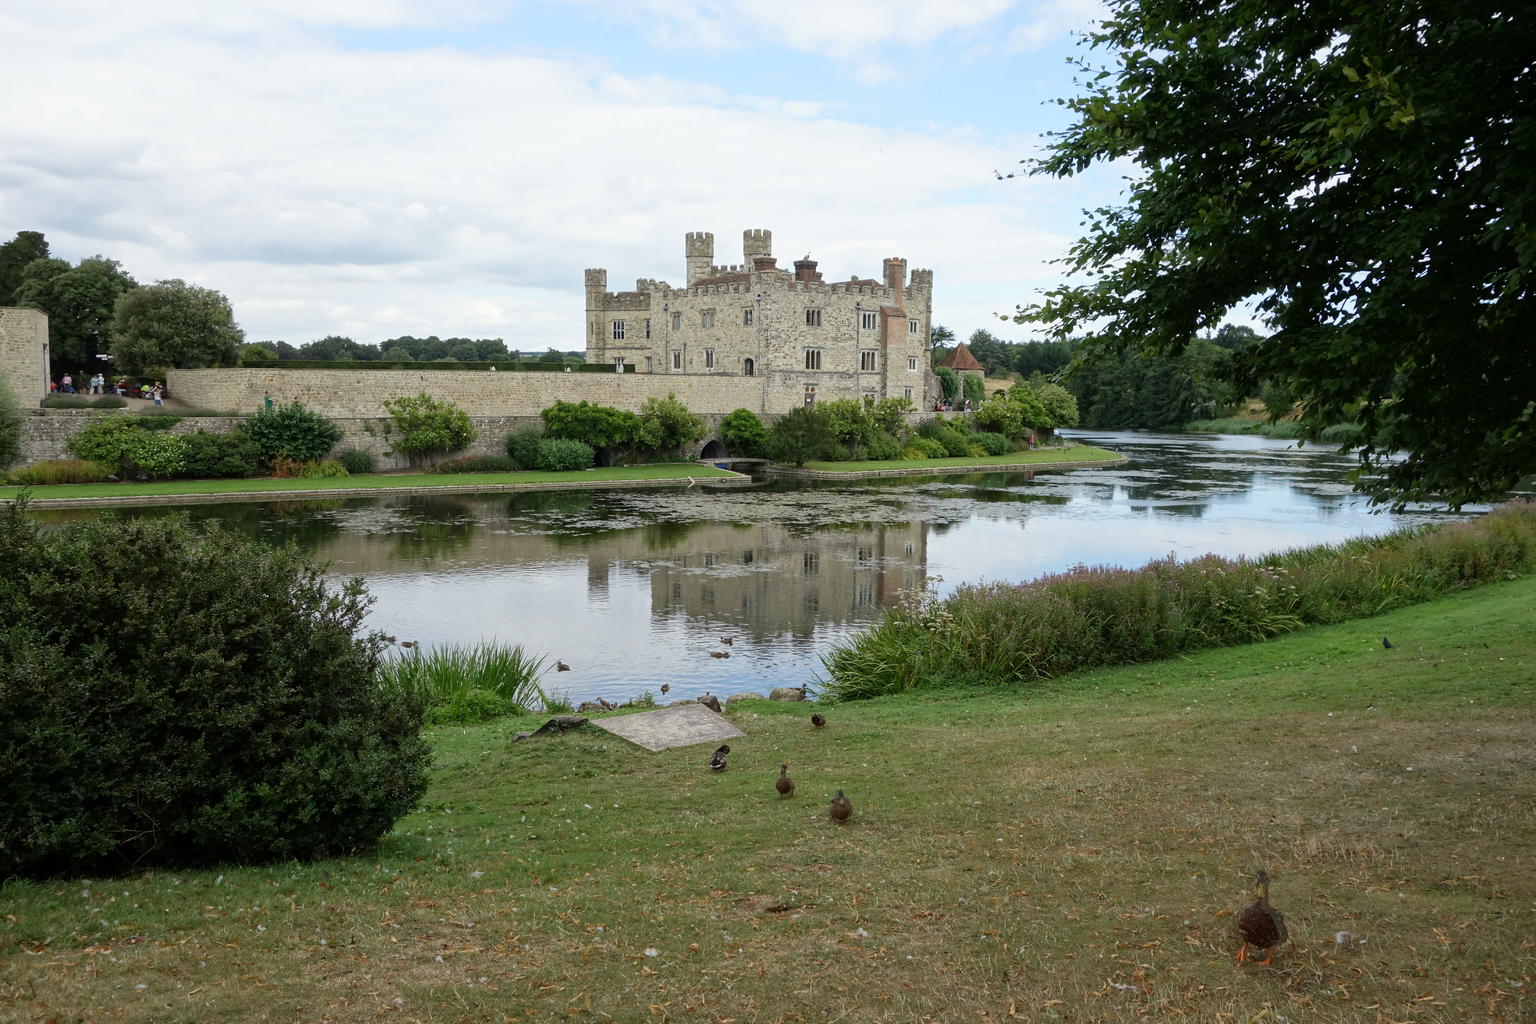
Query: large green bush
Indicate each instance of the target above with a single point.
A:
(358, 461)
(209, 455)
(744, 433)
(425, 428)
(562, 453)
(666, 424)
(168, 698)
(802, 435)
(523, 447)
(156, 455)
(597, 425)
(292, 432)
(106, 439)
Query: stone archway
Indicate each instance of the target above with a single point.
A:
(714, 450)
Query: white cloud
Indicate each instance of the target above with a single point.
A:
(434, 191)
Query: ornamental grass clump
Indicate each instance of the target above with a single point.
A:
(1091, 616)
(467, 683)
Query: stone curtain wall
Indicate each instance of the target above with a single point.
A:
(24, 353)
(351, 394)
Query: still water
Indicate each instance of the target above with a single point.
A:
(636, 588)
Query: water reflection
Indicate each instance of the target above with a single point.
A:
(636, 588)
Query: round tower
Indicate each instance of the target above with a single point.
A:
(699, 254)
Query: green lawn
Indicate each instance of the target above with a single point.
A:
(671, 471)
(1073, 453)
(1065, 853)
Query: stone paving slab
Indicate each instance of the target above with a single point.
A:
(671, 727)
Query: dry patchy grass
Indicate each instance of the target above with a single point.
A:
(1075, 855)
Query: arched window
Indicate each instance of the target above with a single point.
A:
(748, 368)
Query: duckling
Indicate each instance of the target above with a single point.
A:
(389, 639)
(561, 666)
(719, 654)
(407, 644)
(818, 720)
(664, 688)
(717, 759)
(785, 785)
(727, 639)
(840, 809)
(1259, 924)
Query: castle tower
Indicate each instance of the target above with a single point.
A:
(597, 284)
(699, 253)
(756, 244)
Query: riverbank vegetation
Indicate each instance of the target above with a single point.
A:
(1072, 854)
(461, 683)
(1050, 455)
(1011, 634)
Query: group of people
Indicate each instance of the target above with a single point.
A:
(945, 405)
(97, 385)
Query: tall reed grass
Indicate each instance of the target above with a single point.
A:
(1091, 616)
(467, 683)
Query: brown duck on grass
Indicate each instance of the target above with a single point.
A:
(785, 785)
(1259, 924)
(717, 759)
(840, 809)
(818, 720)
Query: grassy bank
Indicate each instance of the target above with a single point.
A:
(1074, 856)
(1017, 633)
(1025, 459)
(1339, 433)
(671, 471)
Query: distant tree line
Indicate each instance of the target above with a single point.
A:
(405, 347)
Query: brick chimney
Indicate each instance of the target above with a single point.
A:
(805, 269)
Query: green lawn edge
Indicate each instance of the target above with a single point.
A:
(607, 474)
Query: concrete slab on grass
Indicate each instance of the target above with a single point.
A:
(671, 727)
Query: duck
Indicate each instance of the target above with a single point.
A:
(727, 639)
(840, 809)
(561, 666)
(717, 759)
(818, 720)
(664, 688)
(1259, 924)
(407, 644)
(785, 785)
(719, 654)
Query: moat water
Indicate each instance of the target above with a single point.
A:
(633, 589)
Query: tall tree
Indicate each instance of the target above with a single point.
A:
(335, 346)
(1359, 171)
(79, 301)
(14, 257)
(172, 323)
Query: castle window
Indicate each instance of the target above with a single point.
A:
(748, 368)
(677, 359)
(649, 366)
(746, 317)
(811, 563)
(911, 326)
(709, 359)
(618, 330)
(618, 364)
(810, 395)
(867, 359)
(747, 558)
(911, 362)
(647, 328)
(813, 318)
(707, 318)
(906, 393)
(813, 359)
(869, 321)
(677, 321)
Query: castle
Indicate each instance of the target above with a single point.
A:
(798, 336)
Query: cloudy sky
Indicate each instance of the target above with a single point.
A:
(384, 167)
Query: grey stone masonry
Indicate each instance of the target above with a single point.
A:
(794, 335)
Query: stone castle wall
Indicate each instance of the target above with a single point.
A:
(361, 393)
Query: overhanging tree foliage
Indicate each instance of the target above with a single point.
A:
(79, 301)
(1364, 174)
(172, 323)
